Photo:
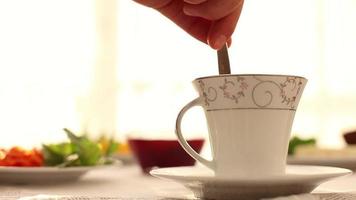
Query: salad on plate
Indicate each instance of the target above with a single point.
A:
(58, 162)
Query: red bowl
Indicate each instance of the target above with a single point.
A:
(350, 137)
(162, 153)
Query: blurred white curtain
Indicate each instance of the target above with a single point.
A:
(338, 95)
(98, 115)
(57, 69)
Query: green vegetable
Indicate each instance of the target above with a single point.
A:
(88, 152)
(80, 151)
(56, 154)
(112, 147)
(294, 142)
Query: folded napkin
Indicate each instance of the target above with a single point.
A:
(56, 197)
(321, 196)
(297, 197)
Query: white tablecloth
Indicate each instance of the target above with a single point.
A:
(128, 182)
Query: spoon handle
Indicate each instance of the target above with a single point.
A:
(223, 61)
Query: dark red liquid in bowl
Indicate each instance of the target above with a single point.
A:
(163, 153)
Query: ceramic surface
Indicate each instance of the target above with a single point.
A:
(43, 175)
(250, 91)
(204, 184)
(249, 118)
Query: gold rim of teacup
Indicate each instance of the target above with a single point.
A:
(231, 75)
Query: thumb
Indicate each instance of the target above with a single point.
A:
(221, 30)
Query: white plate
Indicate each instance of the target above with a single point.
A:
(125, 158)
(344, 162)
(40, 175)
(298, 179)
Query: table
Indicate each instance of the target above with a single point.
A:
(128, 182)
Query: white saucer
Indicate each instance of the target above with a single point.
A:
(298, 179)
(344, 162)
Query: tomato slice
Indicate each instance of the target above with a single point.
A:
(19, 157)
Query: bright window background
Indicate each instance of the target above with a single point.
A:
(116, 67)
(47, 51)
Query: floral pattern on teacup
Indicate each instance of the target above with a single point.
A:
(234, 90)
(278, 92)
(288, 91)
(209, 93)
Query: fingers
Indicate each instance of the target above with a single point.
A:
(212, 9)
(154, 3)
(210, 21)
(194, 1)
(195, 26)
(221, 30)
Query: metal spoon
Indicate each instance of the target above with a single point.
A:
(223, 61)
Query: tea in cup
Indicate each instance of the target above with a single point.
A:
(249, 118)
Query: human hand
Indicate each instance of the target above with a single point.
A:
(210, 21)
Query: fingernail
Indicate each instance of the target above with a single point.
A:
(219, 42)
(187, 11)
(194, 1)
(229, 42)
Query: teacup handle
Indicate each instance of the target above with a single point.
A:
(183, 142)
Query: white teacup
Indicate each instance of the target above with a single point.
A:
(249, 118)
